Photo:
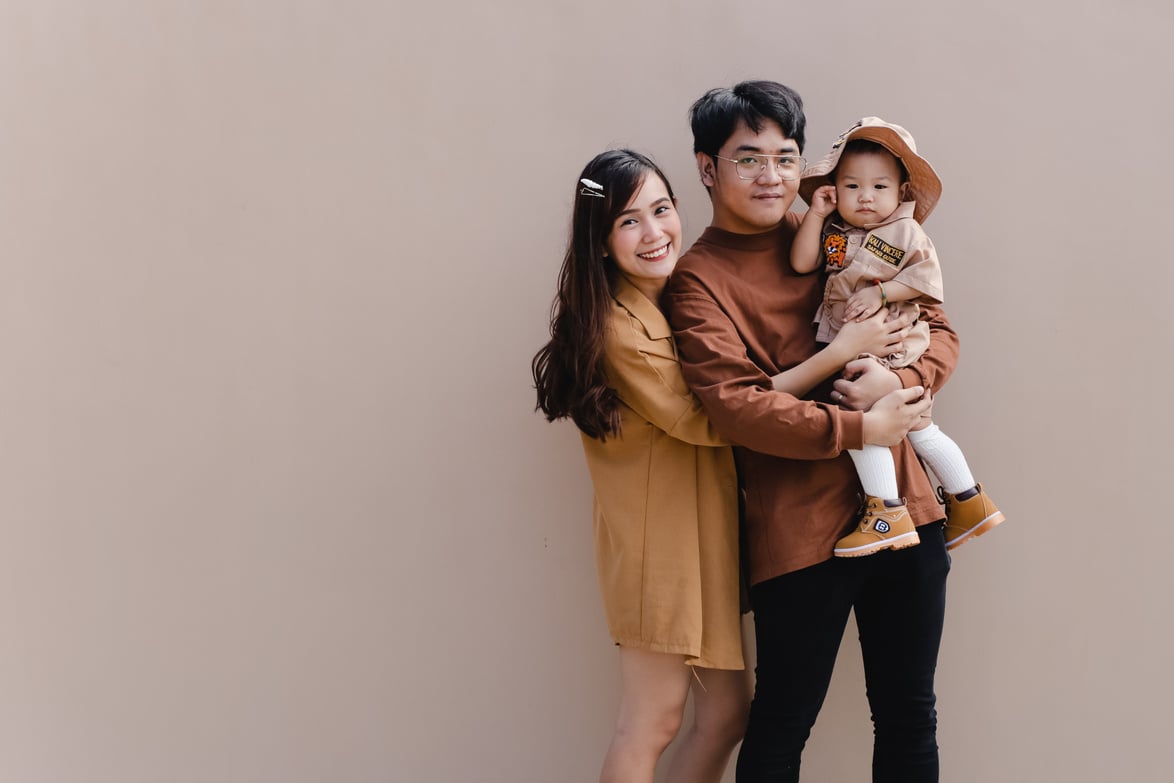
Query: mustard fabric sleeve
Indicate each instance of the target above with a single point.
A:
(644, 370)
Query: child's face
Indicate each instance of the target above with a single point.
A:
(868, 187)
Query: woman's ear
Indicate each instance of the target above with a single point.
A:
(705, 169)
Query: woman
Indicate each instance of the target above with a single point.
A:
(666, 511)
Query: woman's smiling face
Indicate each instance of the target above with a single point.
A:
(645, 240)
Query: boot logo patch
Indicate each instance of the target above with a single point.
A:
(882, 526)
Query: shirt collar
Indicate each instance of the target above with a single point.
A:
(744, 242)
(642, 309)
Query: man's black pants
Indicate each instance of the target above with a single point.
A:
(899, 598)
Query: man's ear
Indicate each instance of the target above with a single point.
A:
(705, 169)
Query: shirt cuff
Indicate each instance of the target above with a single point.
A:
(851, 429)
(910, 377)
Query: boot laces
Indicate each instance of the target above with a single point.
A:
(866, 514)
(943, 498)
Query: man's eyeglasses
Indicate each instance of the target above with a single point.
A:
(752, 166)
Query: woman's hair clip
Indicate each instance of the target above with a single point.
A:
(592, 188)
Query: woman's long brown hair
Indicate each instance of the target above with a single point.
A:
(568, 372)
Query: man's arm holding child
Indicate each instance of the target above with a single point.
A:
(866, 380)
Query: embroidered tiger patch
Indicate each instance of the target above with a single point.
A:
(835, 246)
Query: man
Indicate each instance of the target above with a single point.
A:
(740, 316)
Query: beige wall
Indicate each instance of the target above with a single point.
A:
(275, 504)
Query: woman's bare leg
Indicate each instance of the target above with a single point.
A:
(654, 687)
(721, 703)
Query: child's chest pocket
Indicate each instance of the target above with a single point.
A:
(880, 256)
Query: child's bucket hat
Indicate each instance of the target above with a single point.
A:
(924, 186)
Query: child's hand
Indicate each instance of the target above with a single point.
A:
(823, 201)
(863, 303)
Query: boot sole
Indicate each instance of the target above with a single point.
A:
(897, 542)
(988, 524)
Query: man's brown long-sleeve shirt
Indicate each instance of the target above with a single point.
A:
(740, 315)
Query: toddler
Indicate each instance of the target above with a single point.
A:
(868, 199)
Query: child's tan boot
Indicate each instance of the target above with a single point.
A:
(968, 518)
(882, 526)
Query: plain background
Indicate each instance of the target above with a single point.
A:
(275, 502)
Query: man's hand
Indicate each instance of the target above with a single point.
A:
(864, 382)
(895, 414)
(878, 335)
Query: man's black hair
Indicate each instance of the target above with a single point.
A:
(715, 115)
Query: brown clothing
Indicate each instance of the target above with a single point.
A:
(666, 508)
(741, 315)
(896, 249)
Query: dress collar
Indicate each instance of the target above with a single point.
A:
(641, 307)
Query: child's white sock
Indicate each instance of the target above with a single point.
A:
(944, 458)
(878, 474)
